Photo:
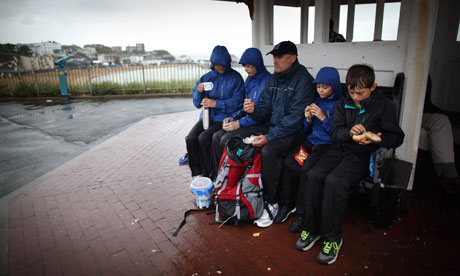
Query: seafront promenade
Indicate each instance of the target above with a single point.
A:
(113, 209)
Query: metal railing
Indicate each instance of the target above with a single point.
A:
(121, 80)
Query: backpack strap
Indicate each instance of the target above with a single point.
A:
(185, 217)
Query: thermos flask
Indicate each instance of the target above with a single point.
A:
(206, 112)
(206, 118)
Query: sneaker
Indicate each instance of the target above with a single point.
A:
(184, 159)
(283, 214)
(306, 241)
(297, 224)
(265, 220)
(329, 253)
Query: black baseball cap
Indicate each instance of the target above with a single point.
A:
(284, 47)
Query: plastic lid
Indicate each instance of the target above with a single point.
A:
(201, 183)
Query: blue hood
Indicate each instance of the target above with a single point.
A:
(220, 56)
(330, 76)
(253, 56)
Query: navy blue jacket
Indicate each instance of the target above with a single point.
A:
(255, 85)
(284, 100)
(228, 90)
(321, 130)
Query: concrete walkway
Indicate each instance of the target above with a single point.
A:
(112, 211)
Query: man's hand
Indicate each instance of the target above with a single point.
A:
(259, 141)
(357, 129)
(201, 87)
(248, 105)
(210, 103)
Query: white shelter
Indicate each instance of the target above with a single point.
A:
(427, 43)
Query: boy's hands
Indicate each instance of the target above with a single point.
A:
(308, 114)
(360, 135)
(230, 125)
(357, 129)
(248, 106)
(314, 110)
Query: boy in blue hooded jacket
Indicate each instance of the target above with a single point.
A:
(318, 123)
(225, 98)
(240, 124)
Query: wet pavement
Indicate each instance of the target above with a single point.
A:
(36, 137)
(113, 209)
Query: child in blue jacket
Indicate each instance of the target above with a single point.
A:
(318, 125)
(240, 124)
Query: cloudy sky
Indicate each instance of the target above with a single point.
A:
(179, 26)
(191, 27)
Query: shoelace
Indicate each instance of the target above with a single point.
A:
(329, 245)
(304, 235)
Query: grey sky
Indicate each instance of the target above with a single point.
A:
(180, 26)
(191, 27)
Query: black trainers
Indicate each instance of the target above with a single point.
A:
(330, 252)
(297, 224)
(283, 214)
(306, 241)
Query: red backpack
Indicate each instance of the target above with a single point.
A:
(238, 196)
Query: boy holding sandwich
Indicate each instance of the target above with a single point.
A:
(329, 182)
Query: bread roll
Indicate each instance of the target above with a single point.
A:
(367, 136)
(359, 138)
(373, 137)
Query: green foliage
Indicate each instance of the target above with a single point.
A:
(104, 50)
(162, 53)
(107, 88)
(24, 50)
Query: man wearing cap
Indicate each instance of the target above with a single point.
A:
(289, 90)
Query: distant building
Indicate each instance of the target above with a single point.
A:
(130, 49)
(134, 59)
(140, 47)
(36, 63)
(45, 48)
(184, 59)
(108, 59)
(116, 49)
(89, 52)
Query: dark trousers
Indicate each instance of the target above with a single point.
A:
(220, 138)
(198, 143)
(328, 187)
(293, 178)
(272, 156)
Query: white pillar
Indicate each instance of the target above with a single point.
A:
(304, 6)
(422, 14)
(379, 20)
(322, 16)
(262, 25)
(350, 20)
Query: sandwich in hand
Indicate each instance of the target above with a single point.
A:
(367, 136)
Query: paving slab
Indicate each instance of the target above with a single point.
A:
(113, 209)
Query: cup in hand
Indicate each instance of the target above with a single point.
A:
(208, 86)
